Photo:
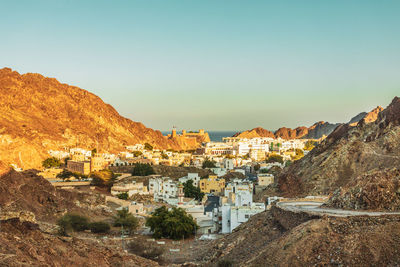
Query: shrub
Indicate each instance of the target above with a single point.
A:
(126, 219)
(99, 227)
(73, 222)
(146, 250)
(275, 158)
(123, 196)
(208, 164)
(51, 163)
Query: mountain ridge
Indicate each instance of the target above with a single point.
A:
(315, 131)
(40, 113)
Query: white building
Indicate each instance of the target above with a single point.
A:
(233, 216)
(239, 193)
(228, 164)
(164, 189)
(218, 148)
(132, 188)
(191, 176)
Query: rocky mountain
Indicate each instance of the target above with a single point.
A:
(316, 131)
(256, 132)
(39, 113)
(369, 116)
(348, 152)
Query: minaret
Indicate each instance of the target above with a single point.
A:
(180, 194)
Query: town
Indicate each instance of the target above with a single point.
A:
(219, 201)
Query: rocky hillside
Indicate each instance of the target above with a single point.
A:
(30, 206)
(39, 113)
(345, 154)
(29, 193)
(282, 238)
(376, 190)
(24, 244)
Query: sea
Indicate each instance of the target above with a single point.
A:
(215, 136)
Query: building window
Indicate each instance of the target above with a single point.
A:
(247, 216)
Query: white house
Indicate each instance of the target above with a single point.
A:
(163, 189)
(228, 164)
(233, 216)
(239, 193)
(130, 188)
(191, 176)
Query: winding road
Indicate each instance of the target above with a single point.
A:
(314, 207)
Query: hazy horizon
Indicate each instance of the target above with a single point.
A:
(217, 65)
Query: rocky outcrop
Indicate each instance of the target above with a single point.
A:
(345, 154)
(256, 132)
(377, 190)
(366, 117)
(26, 193)
(39, 113)
(287, 133)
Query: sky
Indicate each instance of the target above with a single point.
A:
(213, 64)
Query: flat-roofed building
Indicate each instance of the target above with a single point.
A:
(212, 184)
(82, 167)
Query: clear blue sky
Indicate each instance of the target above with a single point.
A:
(218, 65)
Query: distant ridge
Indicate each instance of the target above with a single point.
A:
(315, 131)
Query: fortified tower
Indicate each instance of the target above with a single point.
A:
(173, 132)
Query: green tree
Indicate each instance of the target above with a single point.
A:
(275, 158)
(208, 164)
(192, 191)
(173, 224)
(99, 227)
(142, 170)
(65, 174)
(123, 195)
(126, 219)
(147, 146)
(74, 222)
(51, 163)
